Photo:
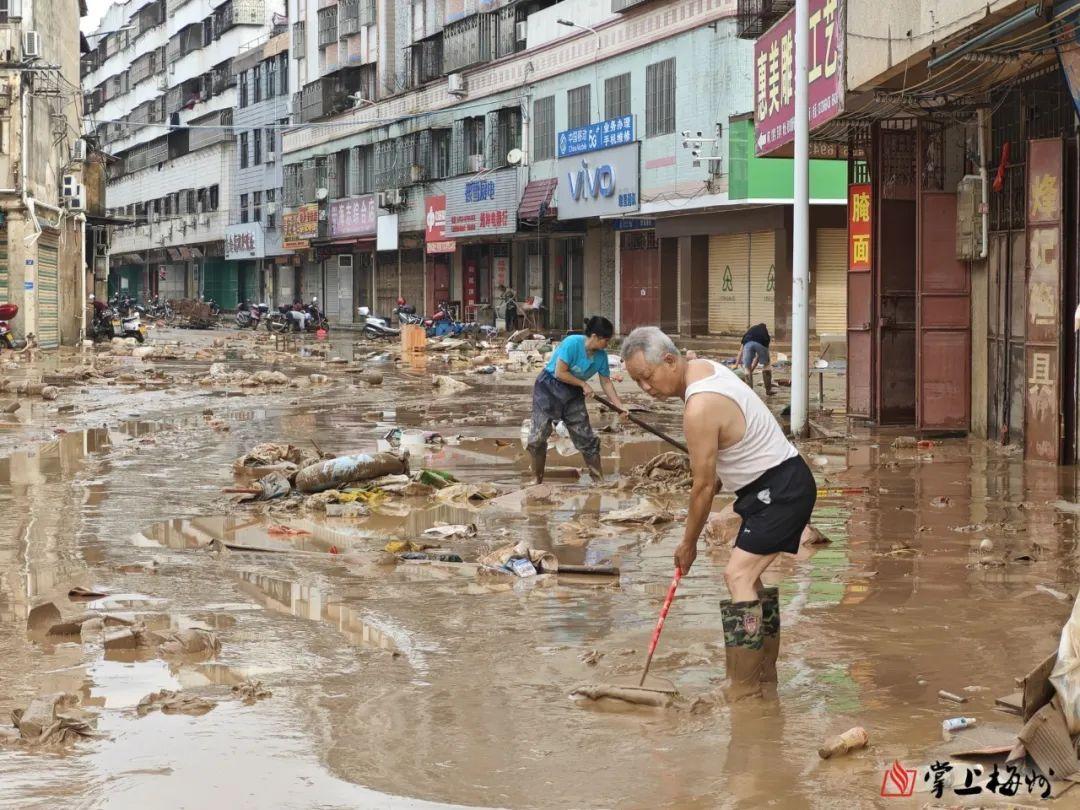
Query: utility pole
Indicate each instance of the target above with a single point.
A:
(800, 271)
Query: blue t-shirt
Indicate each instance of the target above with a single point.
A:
(572, 352)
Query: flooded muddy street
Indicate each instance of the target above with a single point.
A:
(418, 682)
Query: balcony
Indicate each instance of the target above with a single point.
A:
(328, 26)
(354, 15)
(755, 17)
(467, 42)
(330, 94)
(238, 12)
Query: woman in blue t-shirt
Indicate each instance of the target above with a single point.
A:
(560, 392)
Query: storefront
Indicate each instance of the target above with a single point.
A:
(440, 251)
(480, 214)
(245, 245)
(351, 229)
(298, 229)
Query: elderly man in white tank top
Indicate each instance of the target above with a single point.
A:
(731, 433)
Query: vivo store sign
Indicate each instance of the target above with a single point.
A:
(601, 183)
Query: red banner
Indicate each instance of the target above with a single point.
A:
(435, 225)
(860, 229)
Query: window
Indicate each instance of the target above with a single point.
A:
(660, 98)
(271, 205)
(214, 200)
(256, 83)
(474, 137)
(256, 206)
(544, 128)
(243, 150)
(271, 77)
(440, 153)
(299, 39)
(577, 107)
(270, 144)
(256, 145)
(244, 88)
(617, 96)
(364, 173)
(243, 207)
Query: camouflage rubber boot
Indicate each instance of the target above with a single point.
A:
(538, 459)
(770, 627)
(743, 637)
(766, 376)
(596, 469)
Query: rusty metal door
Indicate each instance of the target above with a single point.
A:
(896, 236)
(943, 359)
(639, 262)
(1043, 414)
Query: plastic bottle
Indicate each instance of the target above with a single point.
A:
(850, 740)
(957, 723)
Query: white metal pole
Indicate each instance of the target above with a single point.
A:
(800, 271)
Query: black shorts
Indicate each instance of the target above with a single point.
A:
(776, 508)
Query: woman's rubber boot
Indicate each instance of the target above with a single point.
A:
(596, 469)
(770, 628)
(766, 376)
(538, 460)
(743, 638)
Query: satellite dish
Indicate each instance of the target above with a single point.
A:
(514, 157)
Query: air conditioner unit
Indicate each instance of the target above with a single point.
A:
(344, 261)
(455, 84)
(31, 45)
(391, 198)
(78, 150)
(271, 156)
(70, 186)
(521, 31)
(475, 163)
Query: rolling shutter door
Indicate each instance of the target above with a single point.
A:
(830, 265)
(311, 283)
(345, 289)
(48, 293)
(412, 277)
(331, 306)
(729, 259)
(762, 279)
(5, 292)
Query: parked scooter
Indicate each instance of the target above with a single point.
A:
(250, 315)
(298, 317)
(406, 313)
(159, 309)
(215, 310)
(7, 338)
(101, 324)
(376, 327)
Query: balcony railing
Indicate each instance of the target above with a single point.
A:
(755, 17)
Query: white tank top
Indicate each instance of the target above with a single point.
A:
(764, 444)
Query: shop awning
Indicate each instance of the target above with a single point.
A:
(537, 198)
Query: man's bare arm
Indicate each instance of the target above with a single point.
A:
(701, 426)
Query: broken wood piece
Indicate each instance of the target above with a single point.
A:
(950, 696)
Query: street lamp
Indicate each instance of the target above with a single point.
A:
(572, 24)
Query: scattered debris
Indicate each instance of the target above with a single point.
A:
(172, 702)
(333, 473)
(52, 720)
(544, 562)
(251, 691)
(645, 511)
(952, 697)
(467, 494)
(448, 385)
(591, 658)
(851, 740)
(1052, 592)
(941, 501)
(80, 593)
(445, 532)
(641, 697)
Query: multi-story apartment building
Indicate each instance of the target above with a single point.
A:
(253, 236)
(161, 92)
(575, 151)
(42, 265)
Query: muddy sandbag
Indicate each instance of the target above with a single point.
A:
(274, 485)
(169, 701)
(626, 694)
(336, 472)
(266, 378)
(545, 561)
(251, 691)
(42, 617)
(467, 494)
(191, 641)
(645, 511)
(270, 456)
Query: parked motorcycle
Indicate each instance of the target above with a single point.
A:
(159, 309)
(443, 323)
(376, 327)
(7, 338)
(406, 313)
(250, 315)
(215, 309)
(101, 324)
(286, 318)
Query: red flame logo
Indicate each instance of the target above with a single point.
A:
(898, 782)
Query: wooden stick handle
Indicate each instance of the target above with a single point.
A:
(660, 623)
(643, 425)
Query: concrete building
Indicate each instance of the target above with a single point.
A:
(160, 88)
(42, 268)
(253, 236)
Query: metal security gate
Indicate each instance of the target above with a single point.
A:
(830, 277)
(331, 306)
(729, 283)
(48, 292)
(639, 287)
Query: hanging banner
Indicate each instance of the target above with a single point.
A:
(860, 231)
(435, 225)
(774, 74)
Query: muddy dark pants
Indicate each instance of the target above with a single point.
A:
(555, 401)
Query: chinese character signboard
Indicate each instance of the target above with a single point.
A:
(300, 226)
(1042, 435)
(859, 228)
(774, 74)
(590, 138)
(435, 225)
(482, 205)
(353, 216)
(244, 241)
(599, 184)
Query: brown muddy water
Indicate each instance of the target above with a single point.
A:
(418, 686)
